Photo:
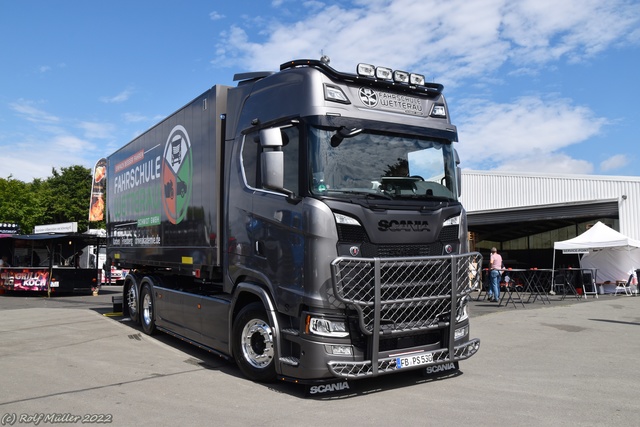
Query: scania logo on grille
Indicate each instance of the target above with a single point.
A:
(395, 225)
(354, 251)
(368, 97)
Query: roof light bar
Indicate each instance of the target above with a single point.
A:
(416, 79)
(400, 76)
(384, 73)
(366, 70)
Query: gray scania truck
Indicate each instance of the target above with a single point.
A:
(305, 223)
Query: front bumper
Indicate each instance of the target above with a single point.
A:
(389, 365)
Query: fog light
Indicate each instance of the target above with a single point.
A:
(460, 333)
(339, 350)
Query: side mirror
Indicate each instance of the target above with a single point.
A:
(272, 159)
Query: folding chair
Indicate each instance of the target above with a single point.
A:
(563, 282)
(624, 286)
(589, 286)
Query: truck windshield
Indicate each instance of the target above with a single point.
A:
(348, 162)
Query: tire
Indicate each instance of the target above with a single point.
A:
(253, 344)
(131, 299)
(147, 313)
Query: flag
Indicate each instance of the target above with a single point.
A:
(98, 186)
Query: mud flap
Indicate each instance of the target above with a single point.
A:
(443, 369)
(329, 388)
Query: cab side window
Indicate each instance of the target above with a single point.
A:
(291, 149)
(250, 150)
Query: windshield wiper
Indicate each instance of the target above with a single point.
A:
(366, 194)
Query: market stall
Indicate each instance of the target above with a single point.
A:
(614, 255)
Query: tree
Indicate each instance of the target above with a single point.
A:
(19, 203)
(63, 197)
(67, 194)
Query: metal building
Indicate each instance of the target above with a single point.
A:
(506, 207)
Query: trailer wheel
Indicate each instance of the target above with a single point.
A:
(147, 315)
(132, 303)
(253, 344)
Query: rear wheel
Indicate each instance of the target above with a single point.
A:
(253, 344)
(132, 303)
(147, 315)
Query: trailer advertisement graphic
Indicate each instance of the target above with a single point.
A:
(177, 169)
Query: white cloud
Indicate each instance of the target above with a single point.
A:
(121, 97)
(53, 151)
(452, 40)
(614, 162)
(547, 163)
(215, 16)
(46, 142)
(28, 111)
(458, 42)
(532, 127)
(97, 130)
(134, 117)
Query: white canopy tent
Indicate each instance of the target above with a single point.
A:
(612, 253)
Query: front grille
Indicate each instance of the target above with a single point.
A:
(349, 234)
(370, 250)
(404, 294)
(403, 304)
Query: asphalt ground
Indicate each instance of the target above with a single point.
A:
(567, 362)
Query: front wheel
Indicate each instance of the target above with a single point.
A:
(253, 344)
(147, 315)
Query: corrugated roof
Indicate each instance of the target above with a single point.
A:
(498, 190)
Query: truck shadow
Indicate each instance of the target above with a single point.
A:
(204, 359)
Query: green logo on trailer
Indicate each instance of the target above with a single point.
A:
(177, 169)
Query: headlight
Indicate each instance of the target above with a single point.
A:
(344, 219)
(454, 220)
(326, 327)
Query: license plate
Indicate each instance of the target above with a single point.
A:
(415, 360)
(55, 284)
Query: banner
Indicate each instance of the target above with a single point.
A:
(27, 279)
(98, 187)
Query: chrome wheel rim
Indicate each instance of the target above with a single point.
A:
(257, 343)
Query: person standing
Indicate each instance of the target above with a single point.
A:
(495, 267)
(107, 271)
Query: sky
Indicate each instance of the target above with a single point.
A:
(540, 86)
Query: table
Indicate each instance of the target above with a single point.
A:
(537, 281)
(514, 283)
(587, 277)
